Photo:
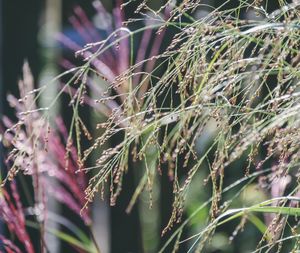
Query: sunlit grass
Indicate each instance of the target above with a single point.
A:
(237, 79)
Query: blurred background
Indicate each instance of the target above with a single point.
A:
(29, 30)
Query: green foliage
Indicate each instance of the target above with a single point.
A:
(218, 109)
